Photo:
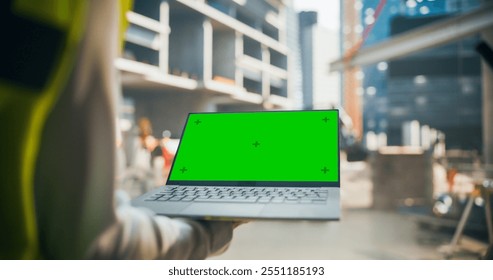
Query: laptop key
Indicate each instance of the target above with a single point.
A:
(264, 200)
(277, 200)
(188, 198)
(291, 199)
(252, 198)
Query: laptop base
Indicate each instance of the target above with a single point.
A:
(328, 210)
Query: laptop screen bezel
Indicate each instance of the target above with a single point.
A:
(259, 183)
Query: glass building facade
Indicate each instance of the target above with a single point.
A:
(440, 87)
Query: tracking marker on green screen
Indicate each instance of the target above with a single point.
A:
(280, 146)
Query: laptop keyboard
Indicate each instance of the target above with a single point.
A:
(240, 194)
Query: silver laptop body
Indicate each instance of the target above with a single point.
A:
(217, 196)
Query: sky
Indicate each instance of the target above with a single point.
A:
(328, 11)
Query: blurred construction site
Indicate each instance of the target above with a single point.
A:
(413, 82)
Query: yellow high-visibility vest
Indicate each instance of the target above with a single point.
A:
(40, 45)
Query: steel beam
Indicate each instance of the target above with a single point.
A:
(432, 35)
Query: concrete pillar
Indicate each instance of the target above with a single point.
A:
(425, 137)
(411, 133)
(487, 78)
(164, 38)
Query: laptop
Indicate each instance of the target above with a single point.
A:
(253, 165)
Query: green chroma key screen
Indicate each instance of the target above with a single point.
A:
(279, 146)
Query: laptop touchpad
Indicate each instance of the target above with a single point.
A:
(223, 209)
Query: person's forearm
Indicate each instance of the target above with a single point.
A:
(139, 234)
